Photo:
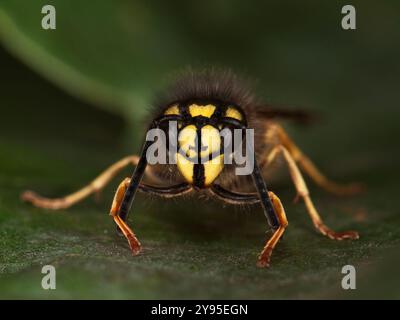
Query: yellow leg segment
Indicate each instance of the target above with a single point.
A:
(303, 192)
(312, 171)
(134, 243)
(265, 255)
(94, 187)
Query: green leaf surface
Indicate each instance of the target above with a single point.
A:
(115, 55)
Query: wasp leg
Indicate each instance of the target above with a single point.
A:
(302, 191)
(252, 198)
(134, 243)
(95, 186)
(265, 255)
(167, 192)
(312, 171)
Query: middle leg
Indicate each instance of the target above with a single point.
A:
(94, 187)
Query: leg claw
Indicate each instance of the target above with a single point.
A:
(263, 263)
(353, 235)
(264, 258)
(27, 196)
(134, 244)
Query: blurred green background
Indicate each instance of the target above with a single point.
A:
(73, 100)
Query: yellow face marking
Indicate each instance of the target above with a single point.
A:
(210, 140)
(186, 168)
(187, 140)
(212, 169)
(198, 110)
(172, 110)
(232, 112)
(210, 143)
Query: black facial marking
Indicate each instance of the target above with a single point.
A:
(198, 169)
(198, 175)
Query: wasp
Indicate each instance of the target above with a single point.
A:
(203, 103)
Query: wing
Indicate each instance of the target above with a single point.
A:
(295, 114)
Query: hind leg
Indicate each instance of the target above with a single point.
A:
(302, 191)
(310, 169)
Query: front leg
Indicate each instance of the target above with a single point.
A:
(265, 255)
(253, 198)
(134, 243)
(166, 192)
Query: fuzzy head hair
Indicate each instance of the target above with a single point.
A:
(210, 84)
